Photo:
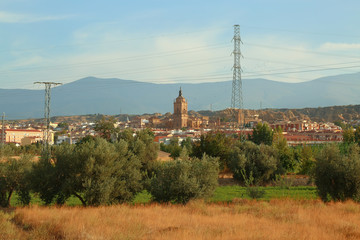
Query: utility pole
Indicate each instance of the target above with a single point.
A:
(236, 96)
(3, 138)
(46, 134)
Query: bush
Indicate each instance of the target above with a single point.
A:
(259, 160)
(252, 189)
(182, 180)
(337, 176)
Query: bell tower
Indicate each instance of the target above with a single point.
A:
(180, 111)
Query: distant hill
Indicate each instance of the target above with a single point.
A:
(319, 114)
(114, 96)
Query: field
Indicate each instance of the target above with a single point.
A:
(222, 194)
(245, 219)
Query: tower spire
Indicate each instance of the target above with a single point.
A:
(180, 93)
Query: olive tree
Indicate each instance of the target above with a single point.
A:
(182, 180)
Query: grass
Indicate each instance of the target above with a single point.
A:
(246, 219)
(229, 193)
(222, 194)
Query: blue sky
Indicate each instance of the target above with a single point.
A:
(175, 41)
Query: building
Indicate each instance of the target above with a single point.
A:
(180, 115)
(25, 136)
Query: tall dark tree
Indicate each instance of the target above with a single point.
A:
(214, 145)
(262, 133)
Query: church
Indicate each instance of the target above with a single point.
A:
(181, 119)
(180, 112)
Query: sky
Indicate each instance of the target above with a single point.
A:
(178, 41)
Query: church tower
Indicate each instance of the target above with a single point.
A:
(180, 112)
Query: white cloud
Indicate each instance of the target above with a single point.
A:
(101, 51)
(290, 60)
(8, 17)
(340, 46)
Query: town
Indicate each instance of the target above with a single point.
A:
(181, 125)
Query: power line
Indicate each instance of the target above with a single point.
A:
(302, 51)
(117, 60)
(142, 38)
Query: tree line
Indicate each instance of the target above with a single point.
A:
(104, 171)
(115, 166)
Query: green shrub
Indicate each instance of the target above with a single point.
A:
(260, 160)
(252, 188)
(337, 176)
(182, 180)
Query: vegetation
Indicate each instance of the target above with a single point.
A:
(235, 193)
(13, 177)
(214, 145)
(106, 128)
(279, 219)
(258, 160)
(262, 133)
(173, 148)
(182, 180)
(117, 166)
(337, 175)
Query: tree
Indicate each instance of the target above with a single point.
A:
(357, 135)
(143, 146)
(13, 177)
(6, 150)
(337, 176)
(106, 129)
(307, 161)
(173, 147)
(187, 143)
(287, 162)
(182, 180)
(95, 171)
(348, 135)
(260, 161)
(214, 145)
(262, 133)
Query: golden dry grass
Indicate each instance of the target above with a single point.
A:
(278, 219)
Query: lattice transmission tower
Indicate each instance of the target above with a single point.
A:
(236, 96)
(47, 135)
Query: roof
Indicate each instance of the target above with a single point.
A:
(22, 130)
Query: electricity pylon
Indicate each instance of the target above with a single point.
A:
(46, 135)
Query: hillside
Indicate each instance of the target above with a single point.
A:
(115, 96)
(320, 114)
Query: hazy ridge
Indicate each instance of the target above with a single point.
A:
(115, 96)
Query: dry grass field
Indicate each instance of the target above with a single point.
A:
(244, 219)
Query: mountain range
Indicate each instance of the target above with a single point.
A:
(113, 96)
